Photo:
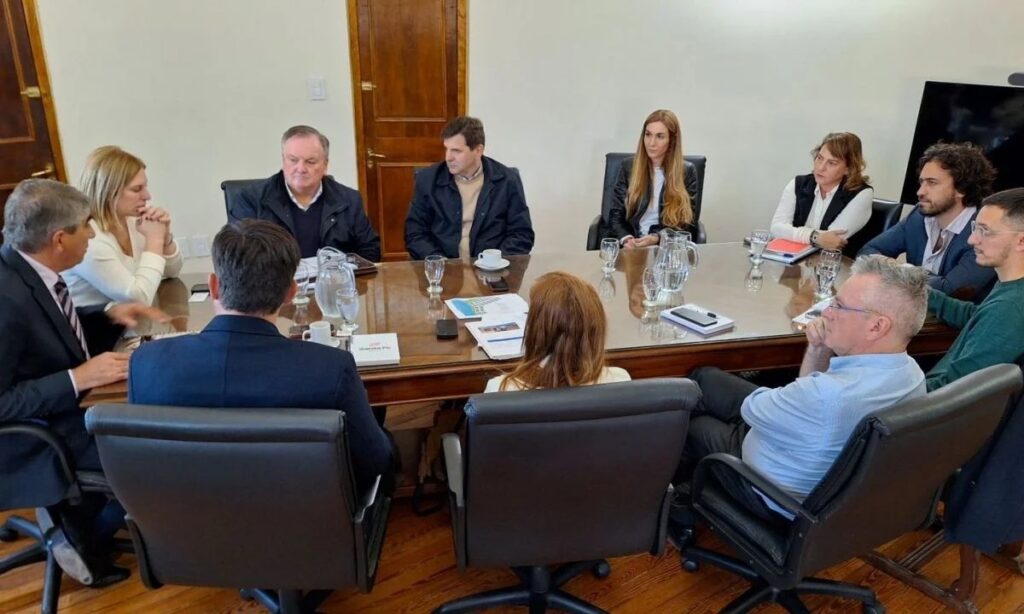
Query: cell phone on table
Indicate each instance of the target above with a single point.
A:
(200, 288)
(447, 329)
(698, 318)
(498, 285)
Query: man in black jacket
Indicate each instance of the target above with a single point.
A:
(317, 210)
(469, 202)
(51, 354)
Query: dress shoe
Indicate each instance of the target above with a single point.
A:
(70, 559)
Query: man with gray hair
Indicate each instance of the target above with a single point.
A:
(301, 198)
(856, 363)
(51, 355)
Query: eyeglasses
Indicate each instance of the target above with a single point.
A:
(985, 233)
(836, 305)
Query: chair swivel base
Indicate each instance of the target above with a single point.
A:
(762, 592)
(286, 601)
(538, 589)
(37, 552)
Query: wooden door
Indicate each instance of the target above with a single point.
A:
(28, 129)
(409, 79)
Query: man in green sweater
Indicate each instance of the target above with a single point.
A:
(992, 332)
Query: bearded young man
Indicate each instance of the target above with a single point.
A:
(954, 178)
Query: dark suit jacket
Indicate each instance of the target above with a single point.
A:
(621, 227)
(960, 275)
(343, 224)
(502, 219)
(240, 361)
(37, 348)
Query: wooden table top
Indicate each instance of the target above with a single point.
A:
(395, 299)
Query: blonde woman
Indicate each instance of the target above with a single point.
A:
(564, 339)
(829, 205)
(655, 187)
(134, 249)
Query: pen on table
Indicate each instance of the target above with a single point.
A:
(504, 339)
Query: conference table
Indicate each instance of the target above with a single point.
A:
(761, 300)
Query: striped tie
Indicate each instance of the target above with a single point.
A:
(64, 298)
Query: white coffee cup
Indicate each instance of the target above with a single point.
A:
(319, 332)
(490, 257)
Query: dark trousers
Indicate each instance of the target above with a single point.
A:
(717, 426)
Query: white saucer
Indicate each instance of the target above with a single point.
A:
(502, 263)
(335, 342)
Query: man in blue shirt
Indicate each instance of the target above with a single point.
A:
(855, 364)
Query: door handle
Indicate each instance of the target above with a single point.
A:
(47, 171)
(371, 155)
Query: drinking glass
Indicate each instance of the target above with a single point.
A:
(832, 256)
(651, 287)
(303, 273)
(825, 271)
(609, 254)
(348, 307)
(433, 268)
(606, 289)
(759, 240)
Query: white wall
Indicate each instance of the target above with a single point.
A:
(201, 89)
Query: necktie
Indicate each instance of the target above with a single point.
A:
(64, 298)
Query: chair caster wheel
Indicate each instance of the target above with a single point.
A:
(247, 594)
(873, 608)
(8, 535)
(691, 565)
(601, 570)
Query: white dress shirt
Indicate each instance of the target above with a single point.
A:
(931, 260)
(653, 213)
(852, 218)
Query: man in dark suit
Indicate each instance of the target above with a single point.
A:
(317, 210)
(241, 360)
(468, 203)
(51, 354)
(954, 178)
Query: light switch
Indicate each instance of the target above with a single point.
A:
(317, 87)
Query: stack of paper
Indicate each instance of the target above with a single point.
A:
(480, 306)
(813, 313)
(782, 250)
(373, 350)
(500, 337)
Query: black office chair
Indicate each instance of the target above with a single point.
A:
(884, 215)
(79, 482)
(599, 227)
(242, 498)
(886, 482)
(570, 474)
(232, 188)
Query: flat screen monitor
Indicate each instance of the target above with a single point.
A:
(991, 116)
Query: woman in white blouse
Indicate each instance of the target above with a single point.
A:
(830, 205)
(134, 249)
(563, 344)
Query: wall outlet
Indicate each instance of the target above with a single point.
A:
(184, 246)
(201, 246)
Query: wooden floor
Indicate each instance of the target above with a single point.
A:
(417, 573)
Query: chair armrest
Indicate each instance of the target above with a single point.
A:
(368, 500)
(453, 465)
(594, 234)
(778, 496)
(46, 436)
(702, 235)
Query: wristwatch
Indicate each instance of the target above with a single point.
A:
(814, 238)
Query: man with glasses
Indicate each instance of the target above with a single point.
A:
(855, 363)
(953, 178)
(992, 332)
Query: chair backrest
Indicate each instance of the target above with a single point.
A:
(573, 473)
(611, 173)
(233, 497)
(232, 188)
(887, 480)
(884, 215)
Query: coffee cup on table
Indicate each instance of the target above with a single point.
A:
(490, 257)
(319, 332)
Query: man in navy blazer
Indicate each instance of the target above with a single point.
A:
(51, 355)
(241, 359)
(954, 178)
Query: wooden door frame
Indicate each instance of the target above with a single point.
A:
(43, 82)
(356, 73)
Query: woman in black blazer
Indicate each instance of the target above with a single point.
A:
(635, 218)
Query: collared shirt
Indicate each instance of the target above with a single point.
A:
(932, 258)
(852, 218)
(50, 279)
(291, 195)
(797, 431)
(653, 213)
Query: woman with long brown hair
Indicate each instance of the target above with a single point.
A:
(563, 343)
(655, 188)
(829, 205)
